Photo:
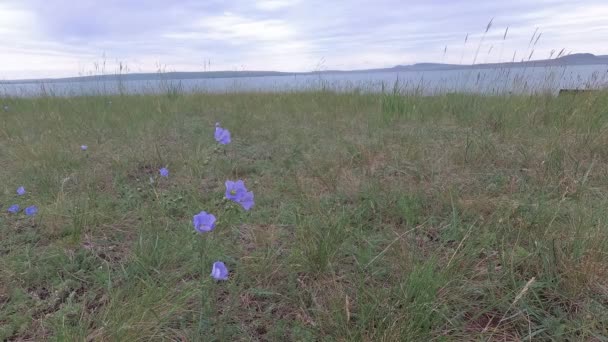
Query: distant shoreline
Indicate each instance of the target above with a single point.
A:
(565, 61)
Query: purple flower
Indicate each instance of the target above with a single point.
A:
(219, 271)
(20, 191)
(237, 192)
(84, 147)
(13, 209)
(222, 136)
(203, 222)
(164, 172)
(246, 201)
(31, 211)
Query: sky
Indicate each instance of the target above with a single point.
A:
(59, 38)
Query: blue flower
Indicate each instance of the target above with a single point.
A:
(203, 222)
(164, 172)
(84, 147)
(13, 209)
(31, 211)
(246, 201)
(237, 192)
(222, 135)
(20, 191)
(219, 271)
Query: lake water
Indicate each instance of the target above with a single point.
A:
(488, 81)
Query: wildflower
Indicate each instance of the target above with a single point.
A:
(31, 211)
(222, 135)
(164, 172)
(6, 108)
(246, 201)
(13, 209)
(20, 191)
(203, 222)
(237, 192)
(84, 147)
(219, 271)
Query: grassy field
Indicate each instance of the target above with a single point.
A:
(377, 218)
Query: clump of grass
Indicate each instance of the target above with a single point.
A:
(378, 217)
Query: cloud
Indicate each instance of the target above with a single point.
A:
(238, 28)
(65, 37)
(273, 5)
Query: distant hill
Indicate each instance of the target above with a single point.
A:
(573, 59)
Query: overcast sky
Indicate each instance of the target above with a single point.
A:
(52, 38)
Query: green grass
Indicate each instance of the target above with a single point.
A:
(377, 218)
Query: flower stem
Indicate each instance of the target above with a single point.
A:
(204, 320)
